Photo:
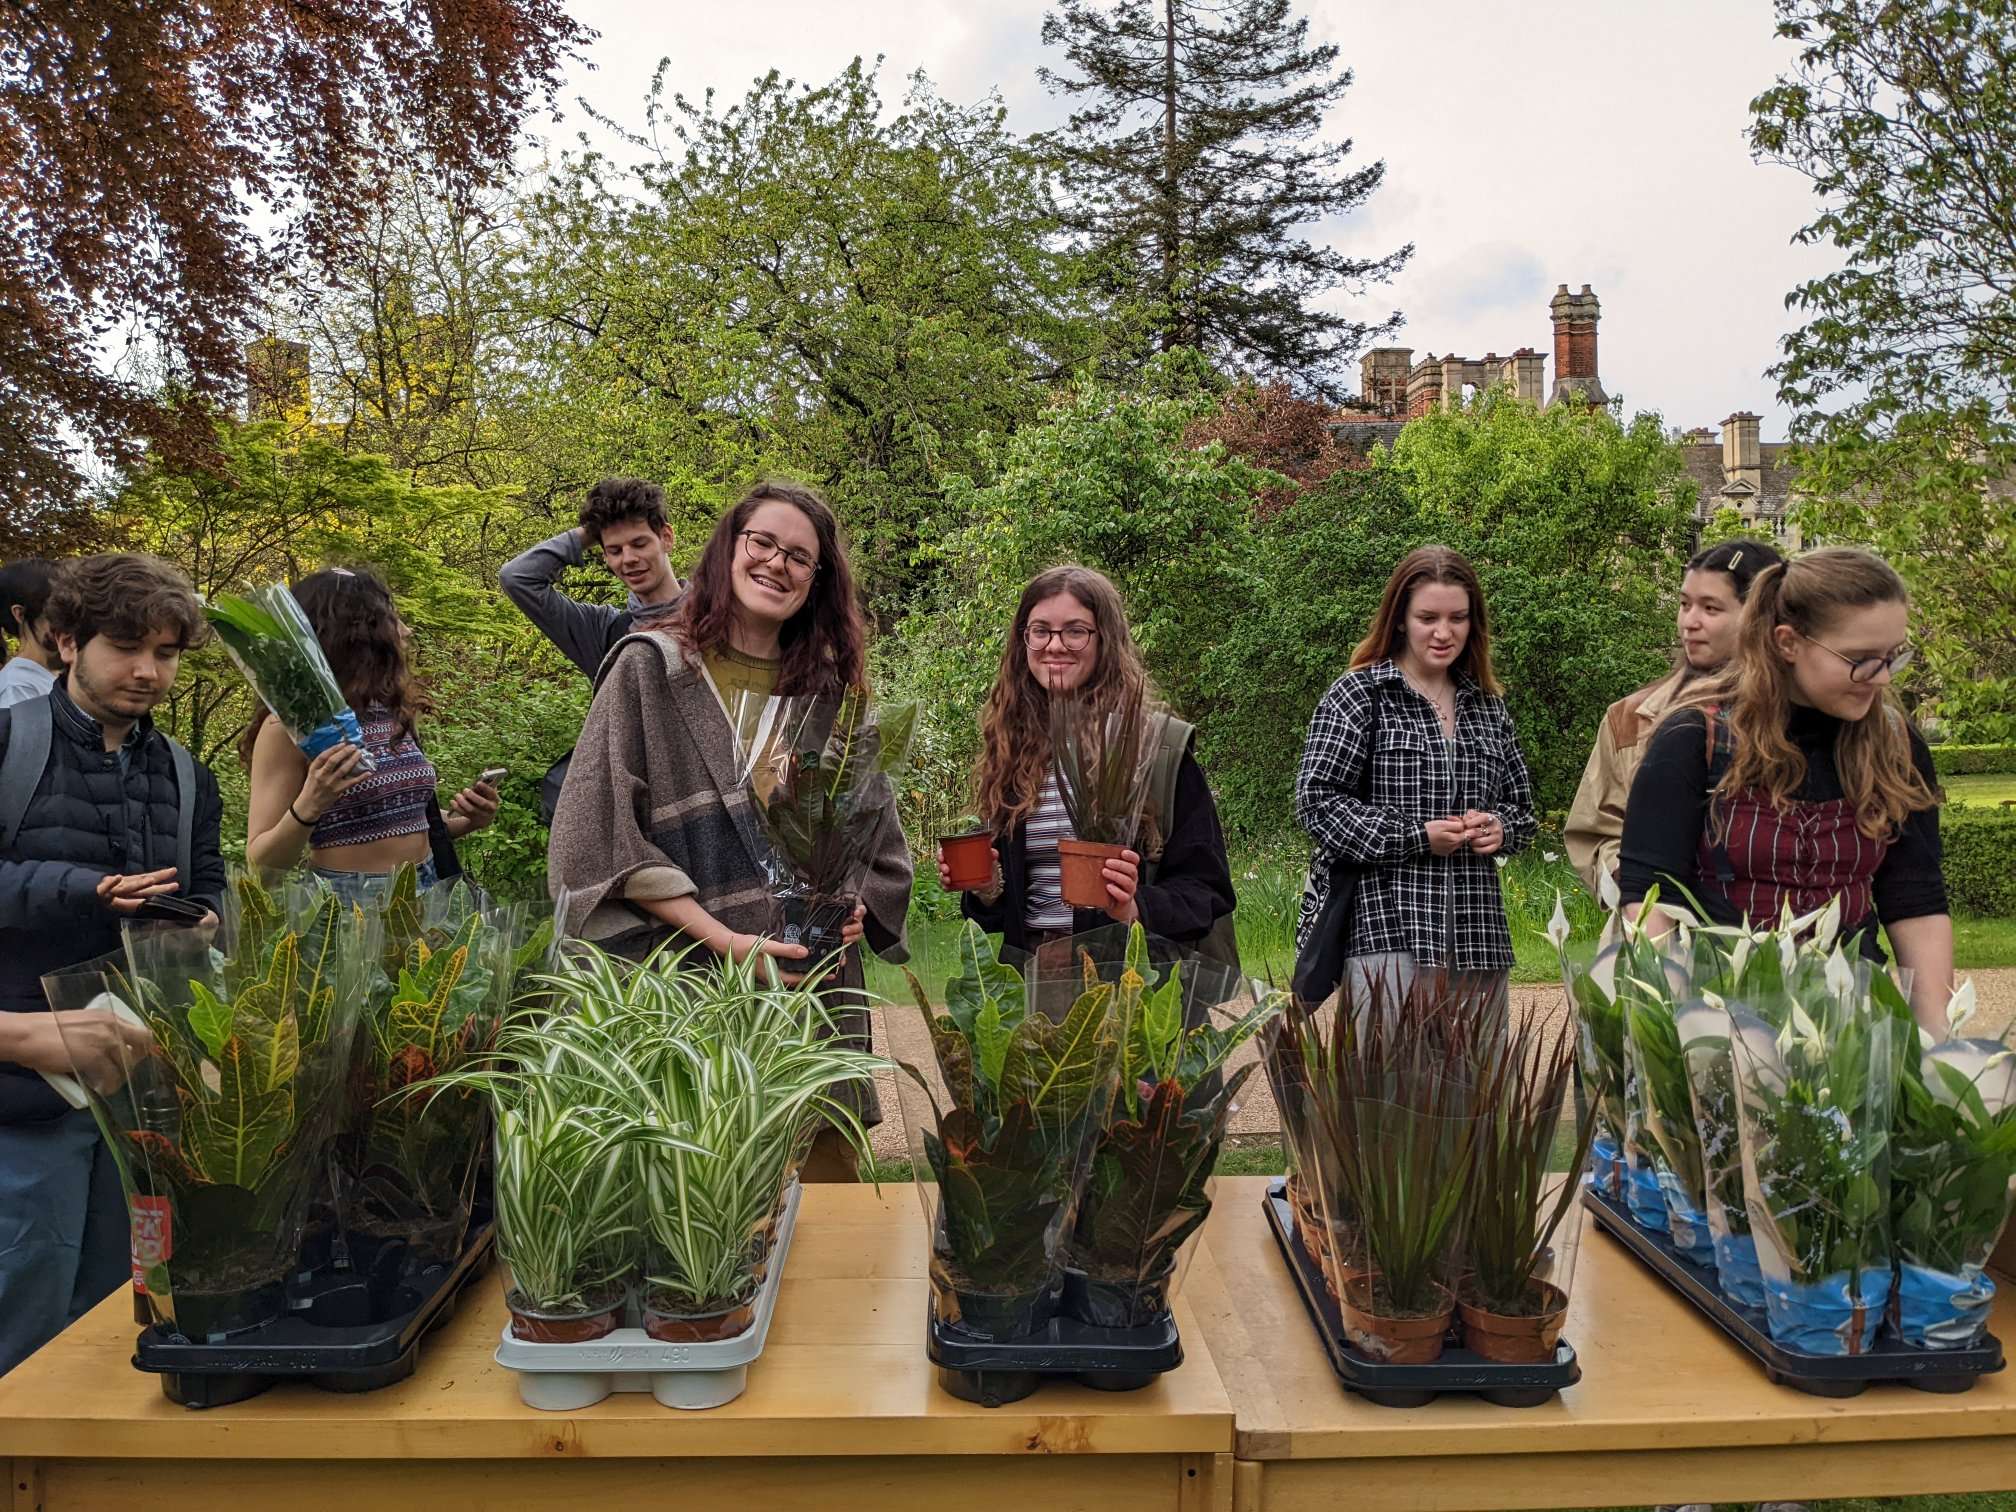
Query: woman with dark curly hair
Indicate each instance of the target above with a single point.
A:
(356, 826)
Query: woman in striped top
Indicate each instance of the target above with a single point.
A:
(355, 827)
(1790, 779)
(1070, 635)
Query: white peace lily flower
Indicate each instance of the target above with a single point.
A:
(1960, 1008)
(1503, 861)
(1607, 936)
(1604, 975)
(1840, 975)
(1829, 925)
(1550, 855)
(1988, 1064)
(1707, 1020)
(1557, 927)
(1606, 891)
(1740, 957)
(1788, 954)
(1925, 1040)
(1758, 1058)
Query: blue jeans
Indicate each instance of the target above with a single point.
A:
(367, 888)
(64, 1242)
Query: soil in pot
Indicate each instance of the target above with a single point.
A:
(1523, 1338)
(704, 1327)
(968, 858)
(1372, 1331)
(576, 1326)
(1083, 866)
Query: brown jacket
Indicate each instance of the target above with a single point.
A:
(1595, 828)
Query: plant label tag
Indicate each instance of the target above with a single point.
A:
(153, 1237)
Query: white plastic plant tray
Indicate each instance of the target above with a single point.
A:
(568, 1377)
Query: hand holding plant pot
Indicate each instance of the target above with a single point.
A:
(1149, 1190)
(276, 649)
(966, 859)
(1954, 1168)
(1105, 754)
(1002, 1138)
(820, 776)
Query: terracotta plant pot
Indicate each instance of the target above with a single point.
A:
(700, 1328)
(536, 1327)
(1525, 1339)
(969, 858)
(1083, 866)
(1393, 1341)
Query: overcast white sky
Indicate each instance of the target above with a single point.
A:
(1527, 143)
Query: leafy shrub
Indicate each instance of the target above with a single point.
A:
(1973, 760)
(1980, 860)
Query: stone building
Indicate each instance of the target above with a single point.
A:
(1735, 470)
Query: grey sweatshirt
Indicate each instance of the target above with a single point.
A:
(582, 632)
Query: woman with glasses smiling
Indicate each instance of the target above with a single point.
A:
(654, 839)
(1070, 635)
(1789, 779)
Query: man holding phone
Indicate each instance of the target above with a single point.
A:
(103, 818)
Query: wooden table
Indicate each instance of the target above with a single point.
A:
(842, 1411)
(1668, 1409)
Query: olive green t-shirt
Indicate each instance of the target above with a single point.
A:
(743, 683)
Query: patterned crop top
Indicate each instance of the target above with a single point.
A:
(391, 801)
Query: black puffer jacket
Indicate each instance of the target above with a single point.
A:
(91, 814)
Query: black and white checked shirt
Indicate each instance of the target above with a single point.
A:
(1442, 910)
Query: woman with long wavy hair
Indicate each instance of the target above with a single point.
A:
(654, 837)
(1791, 778)
(354, 826)
(1070, 636)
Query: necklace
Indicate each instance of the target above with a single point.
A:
(1445, 710)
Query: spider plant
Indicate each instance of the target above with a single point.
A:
(1007, 1140)
(1149, 1185)
(216, 1132)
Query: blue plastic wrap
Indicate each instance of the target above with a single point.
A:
(1736, 1268)
(1686, 1225)
(1641, 1192)
(1821, 1318)
(1940, 1310)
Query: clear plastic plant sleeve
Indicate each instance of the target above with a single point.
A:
(266, 633)
(1813, 1116)
(1651, 987)
(218, 1130)
(1105, 756)
(1001, 1125)
(1589, 976)
(1705, 1032)
(1179, 1020)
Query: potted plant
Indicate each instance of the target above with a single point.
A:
(819, 776)
(1105, 754)
(1002, 1138)
(968, 853)
(276, 649)
(1814, 1111)
(1664, 1105)
(218, 1130)
(1515, 1296)
(1589, 976)
(1954, 1173)
(1151, 1169)
(734, 1072)
(406, 1165)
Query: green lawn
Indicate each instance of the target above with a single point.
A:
(1985, 790)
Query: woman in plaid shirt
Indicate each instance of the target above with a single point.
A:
(1447, 795)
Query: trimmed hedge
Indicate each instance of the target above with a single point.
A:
(1980, 846)
(1973, 760)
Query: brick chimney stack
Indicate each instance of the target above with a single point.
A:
(1742, 457)
(1575, 317)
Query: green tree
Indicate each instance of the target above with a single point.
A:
(1576, 523)
(1904, 372)
(1193, 173)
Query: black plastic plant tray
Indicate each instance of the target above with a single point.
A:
(1887, 1360)
(1459, 1371)
(344, 1330)
(1106, 1359)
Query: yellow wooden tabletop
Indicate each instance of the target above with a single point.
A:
(843, 1373)
(1655, 1374)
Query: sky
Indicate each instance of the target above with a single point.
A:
(1528, 143)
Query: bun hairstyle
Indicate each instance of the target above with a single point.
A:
(1753, 693)
(1743, 561)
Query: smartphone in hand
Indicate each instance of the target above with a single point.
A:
(494, 775)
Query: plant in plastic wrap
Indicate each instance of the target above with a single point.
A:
(217, 1132)
(1953, 1172)
(407, 1163)
(1105, 755)
(1814, 1109)
(1002, 1140)
(276, 648)
(820, 773)
(1522, 1263)
(1151, 1170)
(1297, 1057)
(1589, 976)
(1651, 988)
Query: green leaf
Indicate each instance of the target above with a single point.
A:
(210, 1017)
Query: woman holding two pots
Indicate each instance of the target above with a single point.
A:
(1791, 779)
(1412, 777)
(654, 838)
(1070, 638)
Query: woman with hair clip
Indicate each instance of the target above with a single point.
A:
(654, 838)
(1070, 636)
(355, 827)
(1789, 778)
(1412, 777)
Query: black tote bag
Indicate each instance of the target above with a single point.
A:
(1319, 964)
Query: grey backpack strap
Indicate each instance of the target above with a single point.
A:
(185, 813)
(21, 768)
